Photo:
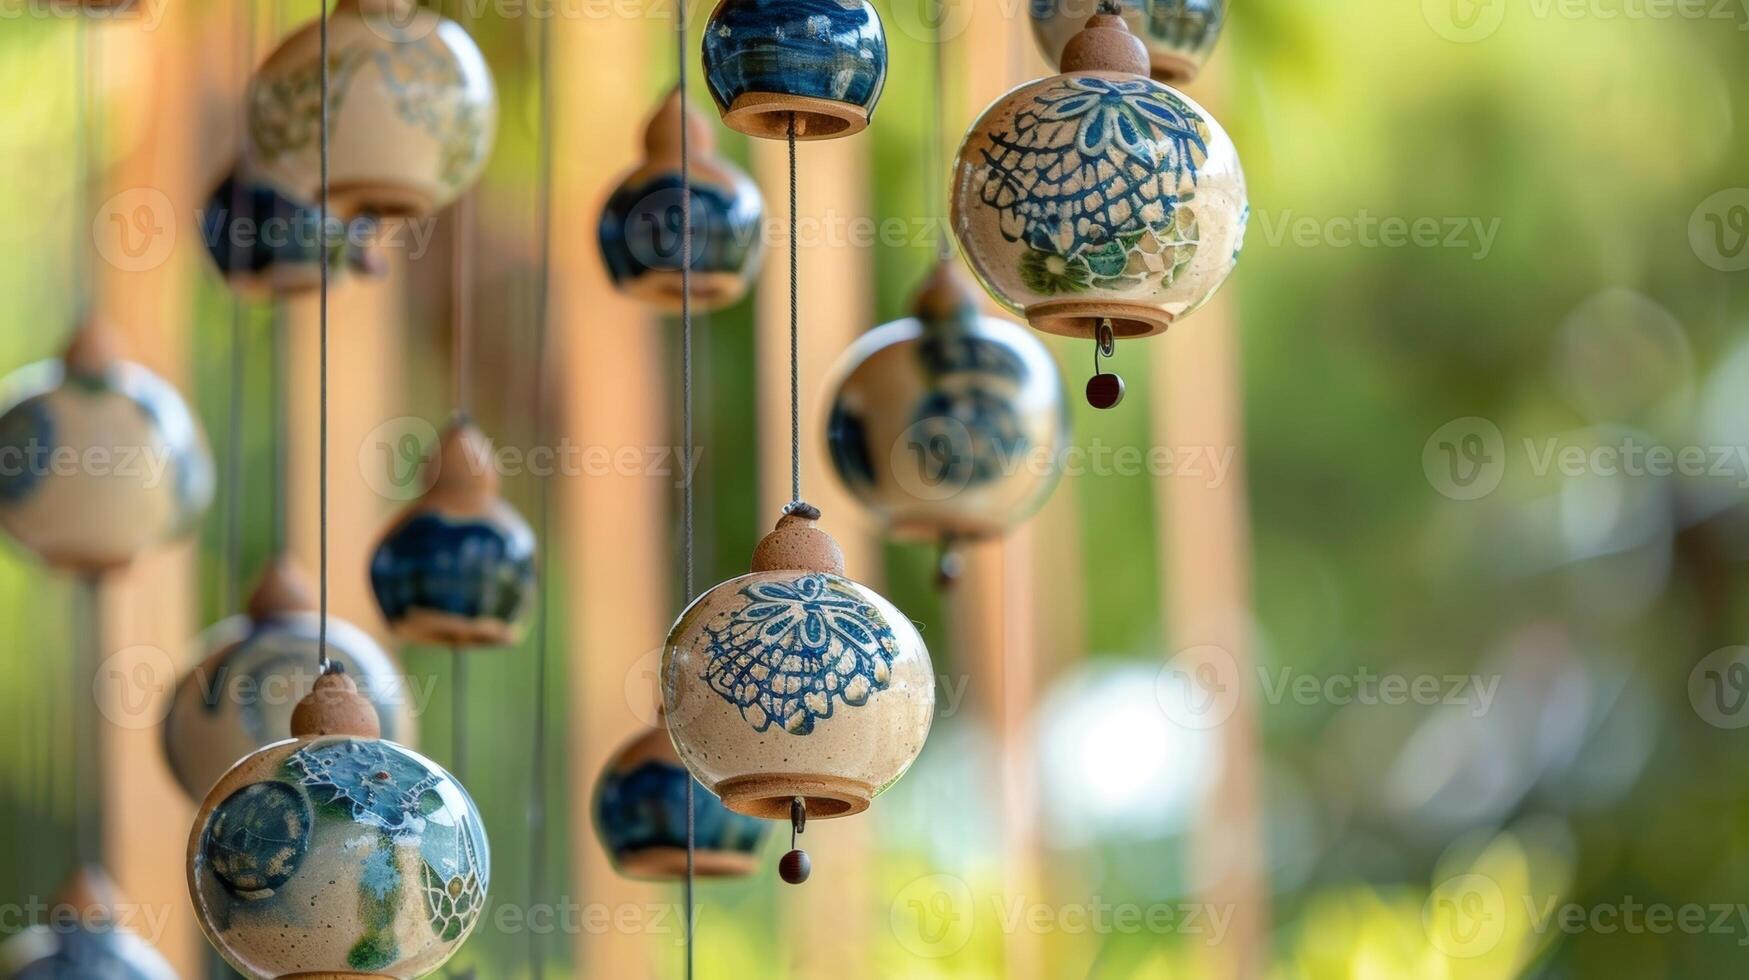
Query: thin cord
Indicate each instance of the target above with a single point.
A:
(795, 360)
(81, 166)
(232, 590)
(537, 806)
(687, 532)
(458, 684)
(276, 392)
(461, 281)
(938, 144)
(322, 439)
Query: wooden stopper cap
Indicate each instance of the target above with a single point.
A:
(466, 478)
(94, 349)
(798, 544)
(335, 707)
(284, 590)
(662, 134)
(90, 894)
(1106, 44)
(945, 295)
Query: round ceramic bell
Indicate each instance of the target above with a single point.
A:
(1179, 34)
(85, 939)
(640, 229)
(1099, 196)
(336, 853)
(457, 567)
(948, 425)
(818, 64)
(795, 682)
(264, 243)
(640, 816)
(413, 110)
(99, 457)
(240, 697)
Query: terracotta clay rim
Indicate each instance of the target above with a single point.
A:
(1080, 318)
(766, 116)
(428, 626)
(710, 290)
(669, 864)
(768, 794)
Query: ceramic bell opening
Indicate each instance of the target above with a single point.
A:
(947, 425)
(817, 63)
(85, 937)
(640, 231)
(252, 670)
(1179, 35)
(640, 817)
(337, 853)
(414, 111)
(1099, 195)
(265, 243)
(100, 458)
(457, 567)
(794, 681)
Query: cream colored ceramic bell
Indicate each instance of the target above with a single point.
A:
(1179, 34)
(336, 853)
(100, 458)
(86, 938)
(413, 111)
(795, 682)
(1099, 195)
(948, 425)
(240, 696)
(640, 232)
(457, 567)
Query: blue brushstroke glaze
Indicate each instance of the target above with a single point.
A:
(824, 49)
(252, 228)
(470, 568)
(645, 807)
(640, 229)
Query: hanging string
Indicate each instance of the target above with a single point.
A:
(537, 805)
(795, 358)
(232, 587)
(87, 736)
(461, 332)
(686, 492)
(938, 141)
(81, 169)
(322, 661)
(276, 383)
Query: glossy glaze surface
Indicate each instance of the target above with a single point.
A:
(640, 816)
(264, 242)
(825, 59)
(445, 577)
(1179, 34)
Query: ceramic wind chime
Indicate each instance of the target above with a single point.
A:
(86, 938)
(457, 568)
(1099, 203)
(99, 457)
(816, 65)
(337, 853)
(1179, 34)
(413, 111)
(947, 424)
(640, 816)
(240, 696)
(793, 691)
(264, 243)
(639, 232)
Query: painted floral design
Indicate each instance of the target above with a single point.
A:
(1092, 180)
(454, 892)
(371, 781)
(793, 646)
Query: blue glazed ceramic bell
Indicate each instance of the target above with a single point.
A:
(947, 425)
(99, 457)
(457, 567)
(640, 816)
(640, 229)
(240, 696)
(263, 242)
(85, 940)
(336, 853)
(1179, 34)
(818, 63)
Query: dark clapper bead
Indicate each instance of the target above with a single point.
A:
(1104, 391)
(795, 867)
